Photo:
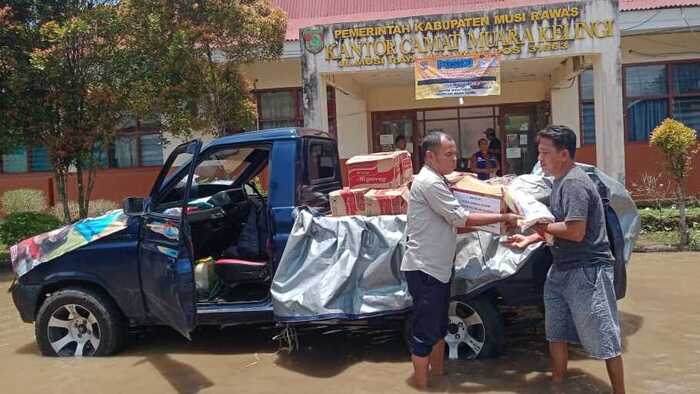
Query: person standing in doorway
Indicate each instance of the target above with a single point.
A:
(434, 214)
(494, 147)
(579, 297)
(483, 162)
(400, 143)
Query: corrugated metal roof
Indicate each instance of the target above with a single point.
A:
(634, 5)
(303, 13)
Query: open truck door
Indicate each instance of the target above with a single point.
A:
(165, 243)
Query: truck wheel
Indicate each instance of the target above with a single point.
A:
(79, 323)
(475, 329)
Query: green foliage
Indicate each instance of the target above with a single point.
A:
(22, 225)
(186, 58)
(23, 200)
(666, 219)
(96, 208)
(678, 143)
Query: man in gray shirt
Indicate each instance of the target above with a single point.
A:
(579, 297)
(434, 215)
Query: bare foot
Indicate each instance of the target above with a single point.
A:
(411, 381)
(435, 372)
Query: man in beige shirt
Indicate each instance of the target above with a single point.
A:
(434, 215)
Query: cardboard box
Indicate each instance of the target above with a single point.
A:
(384, 170)
(480, 197)
(387, 201)
(346, 201)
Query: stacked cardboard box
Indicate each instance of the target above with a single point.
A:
(377, 185)
(385, 170)
(347, 201)
(479, 196)
(387, 201)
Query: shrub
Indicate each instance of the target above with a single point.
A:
(679, 144)
(96, 208)
(22, 225)
(666, 219)
(23, 200)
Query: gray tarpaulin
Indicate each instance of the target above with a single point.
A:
(341, 268)
(349, 267)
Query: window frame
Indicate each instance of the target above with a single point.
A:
(130, 132)
(670, 96)
(298, 118)
(581, 103)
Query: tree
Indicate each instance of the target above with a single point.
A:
(186, 57)
(64, 87)
(679, 144)
(73, 70)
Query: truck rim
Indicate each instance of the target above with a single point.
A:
(73, 331)
(466, 333)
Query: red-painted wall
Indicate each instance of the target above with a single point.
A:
(110, 184)
(640, 159)
(116, 184)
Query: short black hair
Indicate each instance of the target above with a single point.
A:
(561, 136)
(399, 138)
(490, 130)
(433, 140)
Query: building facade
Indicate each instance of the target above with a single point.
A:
(610, 70)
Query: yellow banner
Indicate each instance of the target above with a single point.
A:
(458, 76)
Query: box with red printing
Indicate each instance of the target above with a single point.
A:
(480, 197)
(387, 201)
(384, 170)
(347, 201)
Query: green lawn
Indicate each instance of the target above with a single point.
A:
(655, 239)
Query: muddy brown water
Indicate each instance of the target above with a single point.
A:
(660, 319)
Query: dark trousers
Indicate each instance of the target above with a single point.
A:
(431, 300)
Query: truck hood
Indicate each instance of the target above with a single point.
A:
(42, 248)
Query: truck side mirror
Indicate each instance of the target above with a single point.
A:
(133, 206)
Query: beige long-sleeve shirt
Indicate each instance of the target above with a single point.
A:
(433, 217)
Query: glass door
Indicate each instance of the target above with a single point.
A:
(519, 132)
(388, 127)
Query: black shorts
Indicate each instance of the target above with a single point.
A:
(431, 301)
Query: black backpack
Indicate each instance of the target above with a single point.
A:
(615, 238)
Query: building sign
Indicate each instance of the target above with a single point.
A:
(524, 32)
(458, 76)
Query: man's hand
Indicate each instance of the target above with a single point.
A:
(510, 219)
(520, 241)
(540, 228)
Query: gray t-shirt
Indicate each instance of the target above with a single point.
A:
(575, 197)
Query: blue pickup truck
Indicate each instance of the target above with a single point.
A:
(84, 302)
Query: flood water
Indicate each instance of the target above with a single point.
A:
(660, 319)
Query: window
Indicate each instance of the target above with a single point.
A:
(134, 150)
(15, 162)
(280, 108)
(465, 124)
(151, 150)
(322, 163)
(331, 107)
(656, 91)
(128, 150)
(587, 107)
(39, 160)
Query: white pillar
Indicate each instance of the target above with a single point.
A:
(314, 94)
(609, 124)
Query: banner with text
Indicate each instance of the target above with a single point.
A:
(460, 76)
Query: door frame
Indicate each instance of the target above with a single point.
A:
(529, 108)
(379, 116)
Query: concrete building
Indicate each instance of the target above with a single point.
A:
(610, 70)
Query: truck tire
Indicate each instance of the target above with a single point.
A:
(78, 322)
(480, 335)
(475, 329)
